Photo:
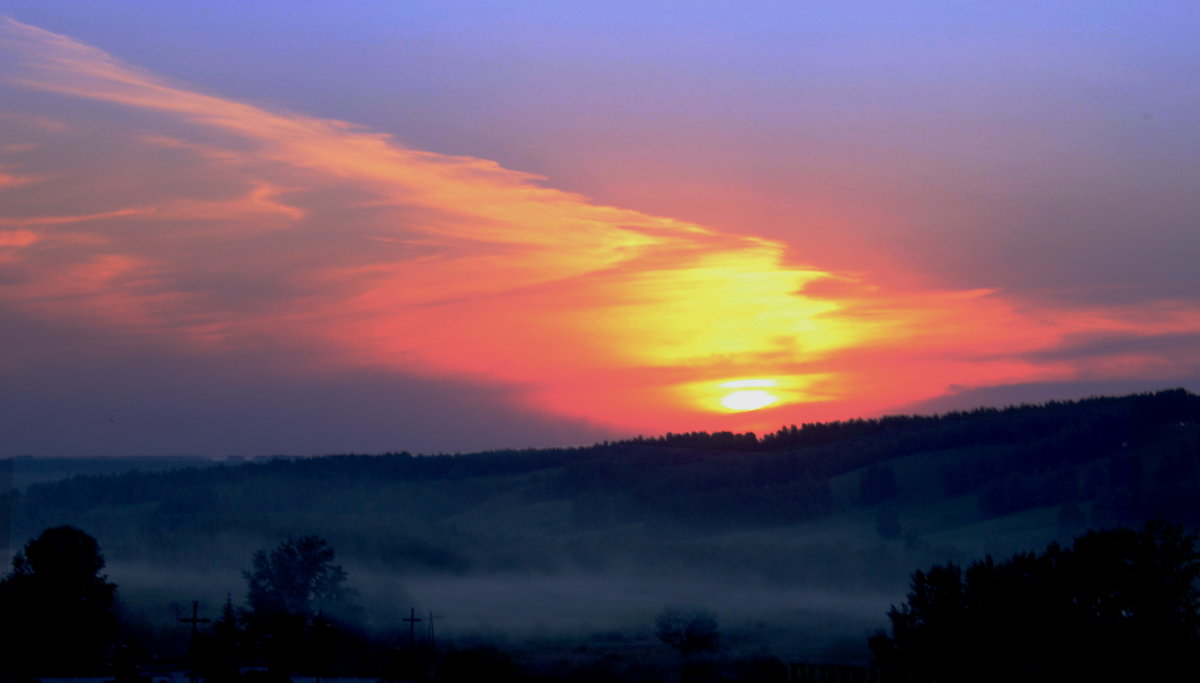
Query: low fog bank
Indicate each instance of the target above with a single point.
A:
(791, 623)
(584, 603)
(517, 610)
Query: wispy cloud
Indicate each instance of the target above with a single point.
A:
(206, 224)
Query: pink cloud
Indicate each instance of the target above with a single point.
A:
(221, 225)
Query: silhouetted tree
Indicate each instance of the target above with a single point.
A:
(295, 593)
(221, 651)
(298, 577)
(57, 608)
(1118, 603)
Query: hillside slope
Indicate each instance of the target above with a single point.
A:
(841, 509)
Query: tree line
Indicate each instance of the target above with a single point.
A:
(1117, 604)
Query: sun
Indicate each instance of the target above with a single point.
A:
(750, 394)
(748, 399)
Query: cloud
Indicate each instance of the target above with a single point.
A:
(113, 395)
(12, 239)
(62, 220)
(206, 227)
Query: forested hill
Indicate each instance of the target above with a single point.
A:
(1097, 462)
(1135, 416)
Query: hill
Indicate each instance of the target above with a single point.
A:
(817, 526)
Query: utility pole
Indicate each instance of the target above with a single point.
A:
(195, 621)
(432, 636)
(412, 626)
(432, 648)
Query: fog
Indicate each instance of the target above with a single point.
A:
(511, 609)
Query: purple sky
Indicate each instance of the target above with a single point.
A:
(936, 204)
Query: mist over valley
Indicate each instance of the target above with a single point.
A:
(797, 541)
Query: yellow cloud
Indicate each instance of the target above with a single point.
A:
(218, 224)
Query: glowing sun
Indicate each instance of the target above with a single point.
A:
(749, 394)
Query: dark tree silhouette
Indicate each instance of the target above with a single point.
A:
(57, 607)
(1117, 604)
(298, 600)
(221, 648)
(298, 578)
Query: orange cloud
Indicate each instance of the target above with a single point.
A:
(10, 180)
(17, 238)
(217, 224)
(63, 220)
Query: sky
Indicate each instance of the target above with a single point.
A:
(295, 228)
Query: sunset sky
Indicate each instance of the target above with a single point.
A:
(312, 227)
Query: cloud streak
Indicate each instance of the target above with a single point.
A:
(204, 226)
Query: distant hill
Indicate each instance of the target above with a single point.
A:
(1117, 460)
(848, 506)
(27, 470)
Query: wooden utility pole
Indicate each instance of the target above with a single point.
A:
(412, 626)
(432, 648)
(195, 621)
